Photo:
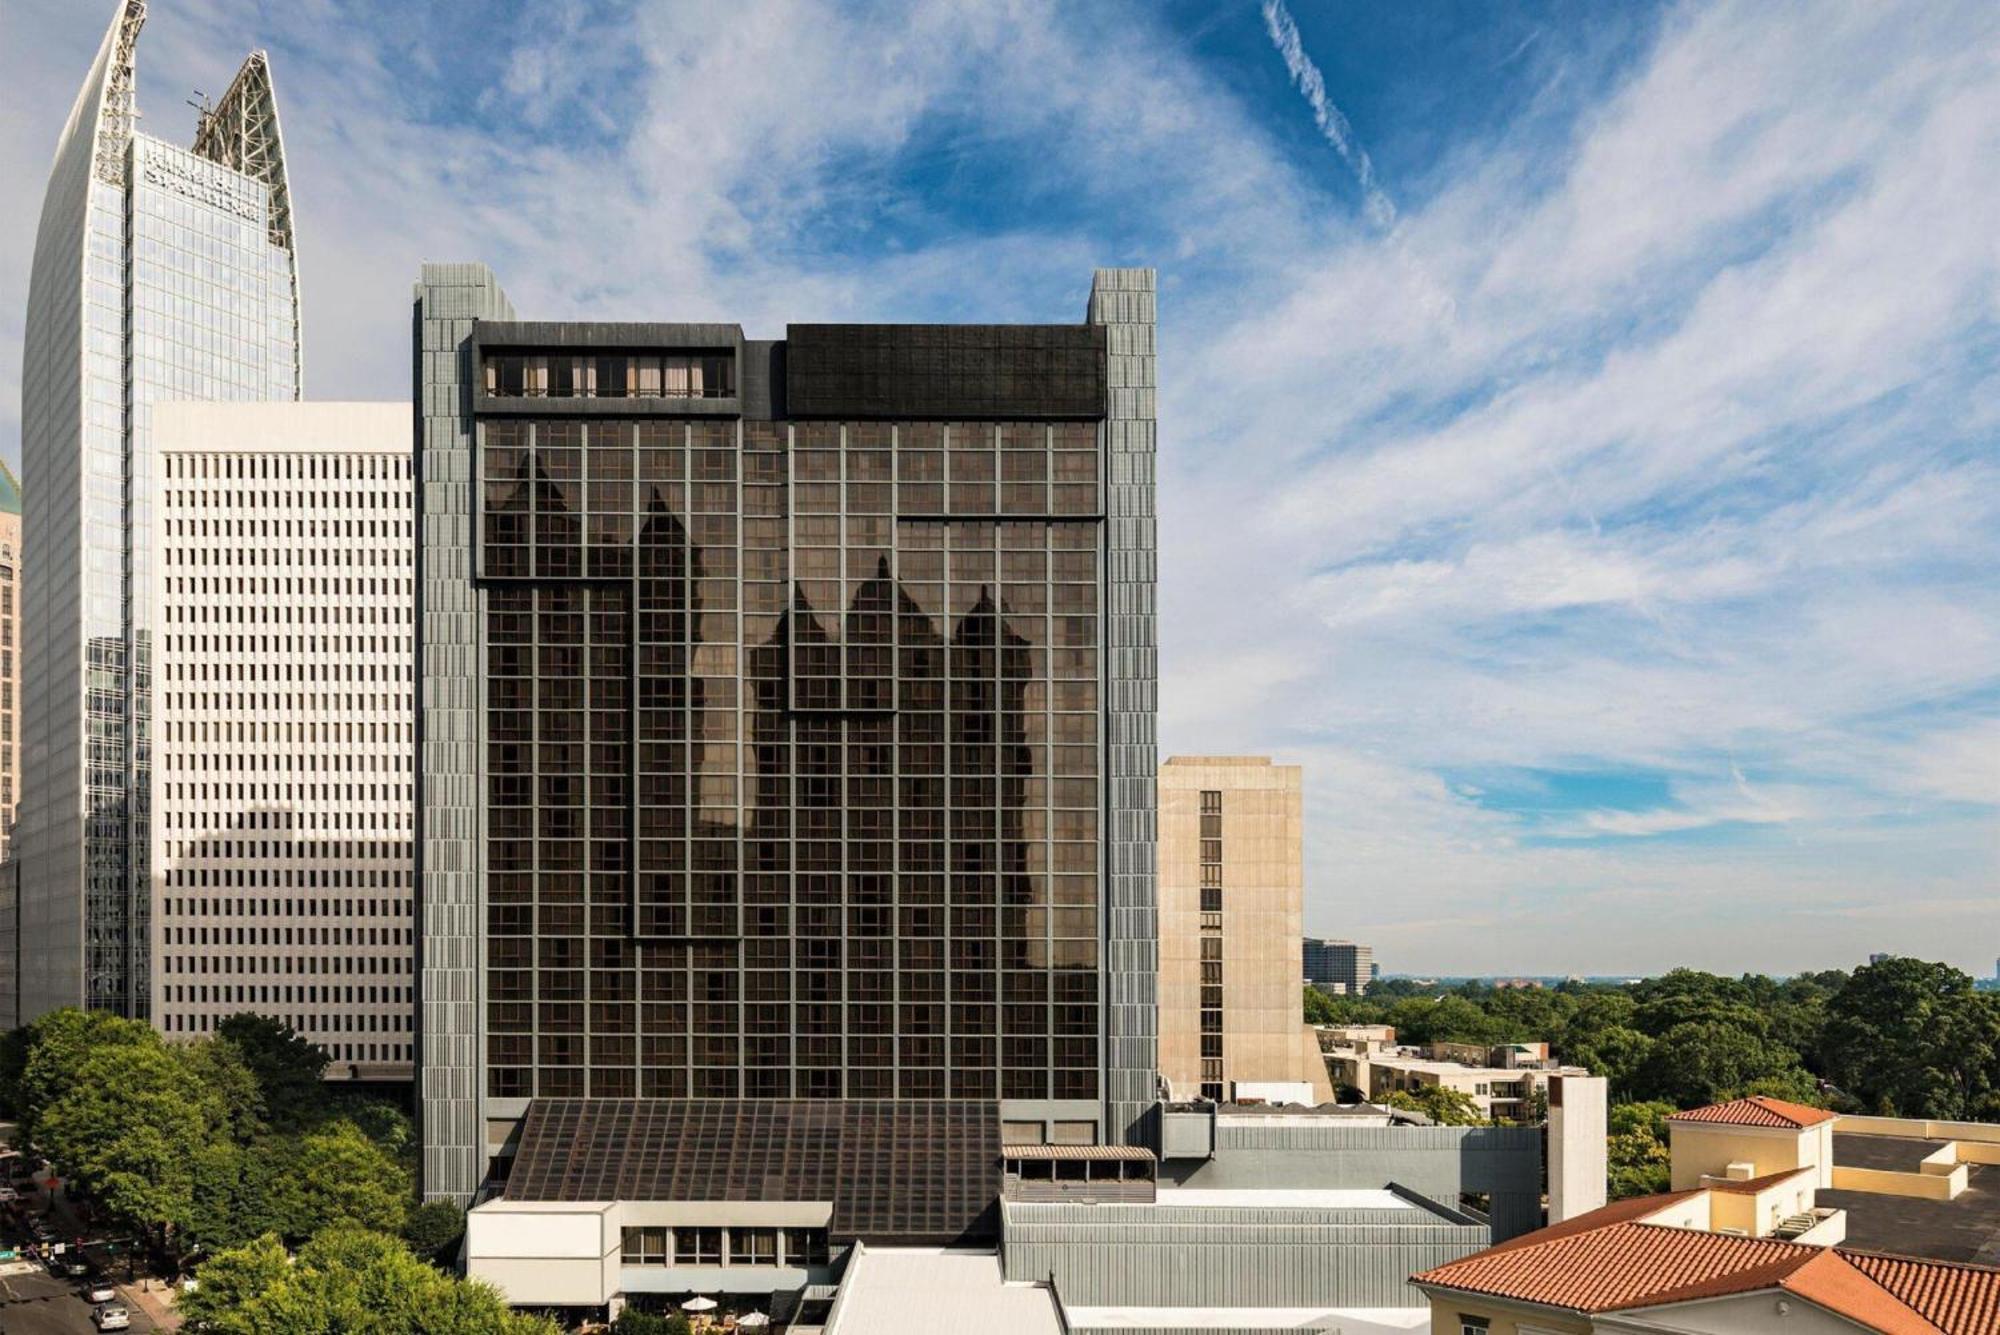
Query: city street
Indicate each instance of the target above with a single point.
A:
(32, 1302)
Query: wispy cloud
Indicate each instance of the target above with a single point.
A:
(1649, 434)
(1332, 122)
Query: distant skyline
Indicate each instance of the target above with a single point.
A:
(1577, 442)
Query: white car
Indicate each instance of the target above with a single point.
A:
(100, 1293)
(113, 1317)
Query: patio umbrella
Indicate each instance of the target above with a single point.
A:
(698, 1304)
(752, 1321)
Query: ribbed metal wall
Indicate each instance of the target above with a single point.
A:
(1124, 302)
(1441, 1162)
(451, 724)
(1167, 1256)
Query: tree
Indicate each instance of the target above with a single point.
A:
(57, 1045)
(1319, 1007)
(346, 1280)
(242, 1192)
(1636, 1149)
(1451, 1019)
(384, 1123)
(232, 1280)
(1446, 1107)
(1708, 1061)
(130, 1127)
(1910, 1038)
(287, 1069)
(632, 1321)
(434, 1227)
(1616, 1053)
(344, 1177)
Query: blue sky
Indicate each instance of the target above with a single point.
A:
(1577, 441)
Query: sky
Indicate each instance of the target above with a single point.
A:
(1577, 421)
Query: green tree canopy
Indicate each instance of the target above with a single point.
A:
(1319, 1007)
(1446, 1107)
(1636, 1149)
(288, 1070)
(433, 1227)
(56, 1046)
(1710, 1060)
(135, 1119)
(1911, 1037)
(346, 1281)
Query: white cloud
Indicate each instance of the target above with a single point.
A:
(1660, 443)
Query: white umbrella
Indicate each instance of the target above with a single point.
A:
(752, 1321)
(698, 1304)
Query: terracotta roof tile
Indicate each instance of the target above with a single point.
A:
(1611, 1260)
(1632, 1210)
(1960, 1299)
(1624, 1265)
(1831, 1281)
(1757, 1110)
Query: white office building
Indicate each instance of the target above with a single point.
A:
(281, 855)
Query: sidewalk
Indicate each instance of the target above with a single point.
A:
(151, 1296)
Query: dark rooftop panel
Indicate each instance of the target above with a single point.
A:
(943, 371)
(912, 1172)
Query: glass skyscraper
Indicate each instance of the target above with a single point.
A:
(786, 716)
(159, 273)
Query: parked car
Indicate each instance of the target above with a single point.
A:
(113, 1317)
(73, 1265)
(98, 1292)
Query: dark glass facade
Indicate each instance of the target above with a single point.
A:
(793, 756)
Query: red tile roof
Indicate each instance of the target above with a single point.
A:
(1623, 1265)
(1609, 1261)
(1832, 1281)
(1955, 1296)
(1757, 1110)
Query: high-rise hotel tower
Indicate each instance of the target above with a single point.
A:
(786, 731)
(159, 273)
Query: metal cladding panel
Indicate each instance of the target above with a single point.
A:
(450, 735)
(1122, 305)
(909, 1171)
(944, 371)
(1441, 1162)
(1109, 1256)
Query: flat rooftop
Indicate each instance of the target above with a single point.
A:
(926, 1290)
(1966, 1229)
(1302, 1198)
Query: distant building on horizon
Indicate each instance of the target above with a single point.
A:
(1344, 968)
(1879, 956)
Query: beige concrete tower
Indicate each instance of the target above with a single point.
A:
(1232, 893)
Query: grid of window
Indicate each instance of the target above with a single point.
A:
(1213, 1083)
(892, 1170)
(793, 754)
(661, 1245)
(606, 375)
(284, 835)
